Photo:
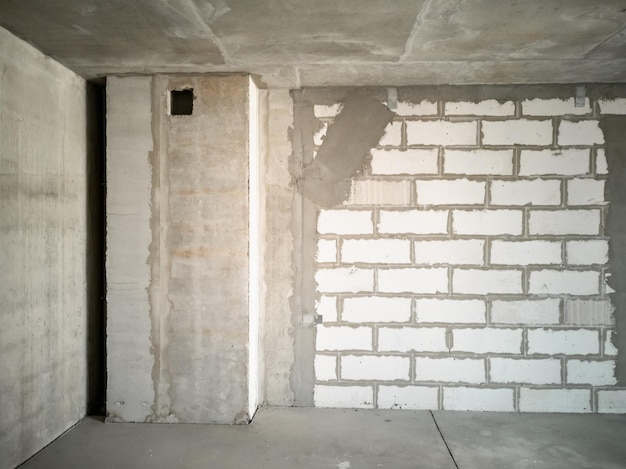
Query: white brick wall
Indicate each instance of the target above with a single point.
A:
(535, 192)
(525, 371)
(413, 280)
(563, 281)
(525, 252)
(483, 282)
(563, 342)
(376, 309)
(467, 269)
(563, 162)
(487, 222)
(457, 192)
(408, 397)
(489, 107)
(555, 400)
(487, 340)
(450, 370)
(441, 133)
(526, 311)
(460, 251)
(478, 399)
(413, 221)
(564, 222)
(597, 373)
(418, 339)
(477, 162)
(376, 251)
(517, 132)
(379, 368)
(405, 162)
(429, 310)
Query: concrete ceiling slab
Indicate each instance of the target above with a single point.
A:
(293, 43)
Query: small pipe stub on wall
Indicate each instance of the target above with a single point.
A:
(392, 98)
(579, 100)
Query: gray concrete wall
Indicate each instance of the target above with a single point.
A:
(43, 312)
(177, 262)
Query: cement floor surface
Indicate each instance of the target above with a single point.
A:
(348, 439)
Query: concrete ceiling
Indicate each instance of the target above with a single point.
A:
(293, 43)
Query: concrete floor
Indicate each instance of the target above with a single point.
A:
(348, 439)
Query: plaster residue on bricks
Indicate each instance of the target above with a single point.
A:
(357, 128)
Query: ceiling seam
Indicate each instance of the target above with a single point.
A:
(419, 20)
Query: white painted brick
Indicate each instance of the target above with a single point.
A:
(473, 162)
(469, 251)
(383, 368)
(343, 338)
(410, 161)
(513, 370)
(564, 282)
(413, 280)
(408, 397)
(554, 107)
(564, 222)
(593, 251)
(601, 165)
(612, 401)
(610, 350)
(459, 191)
(612, 106)
(517, 132)
(487, 340)
(580, 133)
(525, 312)
(413, 221)
(423, 108)
(326, 250)
(344, 279)
(441, 133)
(536, 192)
(450, 370)
(567, 342)
(345, 222)
(393, 135)
(326, 306)
(585, 192)
(555, 400)
(489, 107)
(487, 222)
(376, 309)
(564, 162)
(525, 252)
(430, 310)
(596, 373)
(368, 192)
(322, 110)
(376, 251)
(325, 367)
(483, 282)
(361, 397)
(318, 137)
(405, 339)
(478, 399)
(581, 312)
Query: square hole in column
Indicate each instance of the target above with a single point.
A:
(181, 102)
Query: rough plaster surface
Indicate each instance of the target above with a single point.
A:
(614, 128)
(43, 305)
(356, 42)
(188, 259)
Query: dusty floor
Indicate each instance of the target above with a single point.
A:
(305, 438)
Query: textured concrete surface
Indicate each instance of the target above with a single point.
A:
(349, 439)
(43, 250)
(358, 42)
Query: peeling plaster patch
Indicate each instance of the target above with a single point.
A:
(613, 128)
(356, 129)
